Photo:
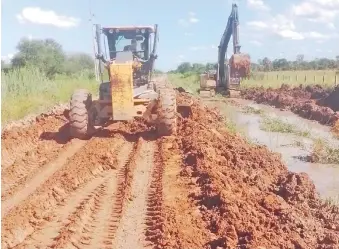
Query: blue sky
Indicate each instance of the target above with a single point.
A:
(189, 30)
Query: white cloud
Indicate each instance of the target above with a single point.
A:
(258, 25)
(323, 11)
(284, 27)
(256, 43)
(37, 15)
(191, 19)
(290, 34)
(188, 34)
(257, 4)
(7, 58)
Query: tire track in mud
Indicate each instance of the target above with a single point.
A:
(48, 170)
(131, 230)
(27, 166)
(104, 232)
(82, 222)
(154, 219)
(87, 164)
(20, 143)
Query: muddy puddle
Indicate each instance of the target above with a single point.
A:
(293, 147)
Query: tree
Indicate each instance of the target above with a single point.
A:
(47, 55)
(267, 64)
(184, 67)
(78, 62)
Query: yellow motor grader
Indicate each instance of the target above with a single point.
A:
(227, 77)
(131, 90)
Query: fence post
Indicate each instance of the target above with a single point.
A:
(277, 76)
(296, 77)
(305, 77)
(314, 78)
(323, 78)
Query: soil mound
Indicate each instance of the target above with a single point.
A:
(311, 102)
(245, 194)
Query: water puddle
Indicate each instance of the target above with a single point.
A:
(324, 176)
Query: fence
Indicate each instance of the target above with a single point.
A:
(312, 77)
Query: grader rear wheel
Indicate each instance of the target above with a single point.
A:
(81, 125)
(166, 112)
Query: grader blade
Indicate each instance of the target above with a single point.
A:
(122, 91)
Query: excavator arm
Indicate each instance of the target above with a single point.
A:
(225, 39)
(229, 73)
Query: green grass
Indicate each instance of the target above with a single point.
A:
(271, 124)
(274, 79)
(268, 79)
(323, 153)
(252, 110)
(26, 90)
(188, 82)
(332, 201)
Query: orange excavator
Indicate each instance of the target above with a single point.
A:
(227, 77)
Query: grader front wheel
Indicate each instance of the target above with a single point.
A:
(81, 125)
(166, 112)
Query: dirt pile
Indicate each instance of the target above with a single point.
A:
(246, 196)
(311, 102)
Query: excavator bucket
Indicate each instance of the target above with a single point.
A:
(122, 91)
(240, 68)
(240, 64)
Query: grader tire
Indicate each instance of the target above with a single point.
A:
(80, 123)
(166, 112)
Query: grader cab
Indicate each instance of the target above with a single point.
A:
(131, 90)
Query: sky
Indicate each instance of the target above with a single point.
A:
(189, 30)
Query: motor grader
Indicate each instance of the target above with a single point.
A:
(227, 77)
(131, 90)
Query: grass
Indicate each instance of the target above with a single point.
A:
(252, 110)
(323, 153)
(274, 79)
(272, 124)
(189, 83)
(26, 90)
(332, 201)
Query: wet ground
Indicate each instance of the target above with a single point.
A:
(293, 148)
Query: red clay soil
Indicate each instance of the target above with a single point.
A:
(311, 102)
(208, 189)
(245, 194)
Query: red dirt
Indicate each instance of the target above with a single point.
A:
(207, 189)
(311, 102)
(245, 195)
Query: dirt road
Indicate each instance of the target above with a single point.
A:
(126, 188)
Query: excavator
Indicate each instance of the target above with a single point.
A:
(227, 77)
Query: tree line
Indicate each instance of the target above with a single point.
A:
(266, 65)
(48, 56)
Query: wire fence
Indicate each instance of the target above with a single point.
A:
(294, 78)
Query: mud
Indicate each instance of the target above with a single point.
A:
(203, 188)
(246, 196)
(311, 102)
(293, 147)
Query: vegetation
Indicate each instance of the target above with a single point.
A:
(273, 124)
(40, 75)
(269, 73)
(324, 153)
